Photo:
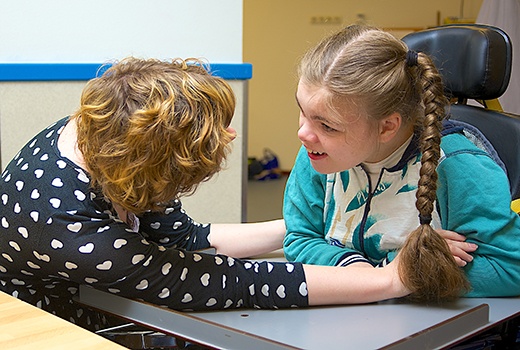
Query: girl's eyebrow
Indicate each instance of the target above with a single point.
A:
(298, 102)
(316, 117)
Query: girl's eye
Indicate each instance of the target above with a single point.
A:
(327, 128)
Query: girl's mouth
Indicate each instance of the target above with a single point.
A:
(315, 155)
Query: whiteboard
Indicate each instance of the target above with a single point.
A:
(93, 31)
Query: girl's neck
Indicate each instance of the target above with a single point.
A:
(374, 169)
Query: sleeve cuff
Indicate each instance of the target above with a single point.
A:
(351, 258)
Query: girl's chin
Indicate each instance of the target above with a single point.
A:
(322, 168)
(325, 167)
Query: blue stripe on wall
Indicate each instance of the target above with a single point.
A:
(86, 71)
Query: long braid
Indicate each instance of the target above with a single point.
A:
(427, 266)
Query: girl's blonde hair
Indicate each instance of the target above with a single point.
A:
(373, 69)
(152, 130)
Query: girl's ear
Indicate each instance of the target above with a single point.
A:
(389, 127)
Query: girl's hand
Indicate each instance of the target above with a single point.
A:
(458, 247)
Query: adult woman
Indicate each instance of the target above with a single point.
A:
(94, 199)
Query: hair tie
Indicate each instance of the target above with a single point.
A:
(425, 219)
(411, 58)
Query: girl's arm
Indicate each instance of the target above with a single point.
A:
(303, 211)
(478, 207)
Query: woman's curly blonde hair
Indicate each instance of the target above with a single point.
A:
(151, 131)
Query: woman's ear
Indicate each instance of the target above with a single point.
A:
(389, 127)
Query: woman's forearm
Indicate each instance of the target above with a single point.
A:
(328, 285)
(247, 239)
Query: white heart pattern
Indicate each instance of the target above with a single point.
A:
(303, 289)
(80, 195)
(75, 227)
(265, 290)
(166, 268)
(19, 185)
(102, 229)
(33, 265)
(7, 257)
(106, 265)
(137, 258)
(14, 245)
(142, 285)
(205, 279)
(269, 267)
(23, 231)
(71, 266)
(87, 248)
(38, 173)
(55, 244)
(83, 178)
(289, 267)
(184, 274)
(280, 291)
(187, 298)
(35, 194)
(57, 182)
(165, 293)
(35, 215)
(118, 243)
(42, 257)
(55, 202)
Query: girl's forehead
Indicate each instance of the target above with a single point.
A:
(311, 96)
(319, 101)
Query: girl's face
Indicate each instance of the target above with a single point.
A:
(334, 142)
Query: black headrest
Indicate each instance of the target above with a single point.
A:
(474, 60)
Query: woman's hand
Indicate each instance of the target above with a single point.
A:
(459, 248)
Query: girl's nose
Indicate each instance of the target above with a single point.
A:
(304, 131)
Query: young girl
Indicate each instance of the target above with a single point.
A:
(94, 200)
(377, 162)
